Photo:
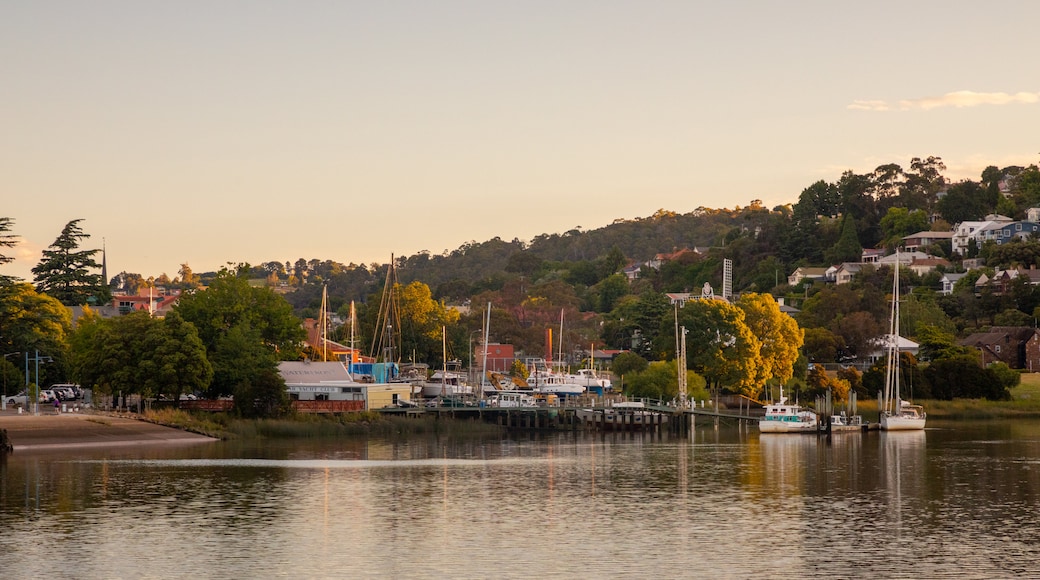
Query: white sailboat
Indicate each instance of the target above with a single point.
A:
(896, 414)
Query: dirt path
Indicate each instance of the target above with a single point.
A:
(87, 430)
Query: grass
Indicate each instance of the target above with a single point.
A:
(367, 423)
(1024, 403)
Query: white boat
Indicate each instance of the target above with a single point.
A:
(546, 381)
(622, 414)
(511, 399)
(783, 418)
(589, 379)
(845, 422)
(448, 381)
(896, 414)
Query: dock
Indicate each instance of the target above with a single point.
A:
(654, 415)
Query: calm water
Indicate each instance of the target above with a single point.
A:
(958, 500)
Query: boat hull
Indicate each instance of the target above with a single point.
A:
(770, 426)
(898, 423)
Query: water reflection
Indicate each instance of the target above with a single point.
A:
(561, 505)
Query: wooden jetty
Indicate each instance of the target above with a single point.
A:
(658, 415)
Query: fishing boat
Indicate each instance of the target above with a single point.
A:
(896, 414)
(781, 417)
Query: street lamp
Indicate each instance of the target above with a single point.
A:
(37, 358)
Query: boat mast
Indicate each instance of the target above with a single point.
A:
(483, 364)
(323, 330)
(892, 355)
(559, 358)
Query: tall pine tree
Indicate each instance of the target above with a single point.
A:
(64, 272)
(7, 241)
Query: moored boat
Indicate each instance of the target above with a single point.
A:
(845, 422)
(781, 417)
(896, 414)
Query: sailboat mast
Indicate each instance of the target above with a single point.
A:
(324, 323)
(892, 352)
(559, 358)
(483, 370)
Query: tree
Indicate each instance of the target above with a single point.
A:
(7, 241)
(175, 358)
(900, 222)
(138, 354)
(848, 248)
(64, 270)
(31, 322)
(628, 362)
(779, 335)
(245, 329)
(721, 347)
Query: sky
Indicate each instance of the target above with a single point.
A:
(250, 131)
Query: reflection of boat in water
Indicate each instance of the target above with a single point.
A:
(784, 418)
(623, 414)
(896, 414)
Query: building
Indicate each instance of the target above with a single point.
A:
(806, 273)
(881, 344)
(326, 383)
(949, 280)
(965, 232)
(1016, 346)
(923, 239)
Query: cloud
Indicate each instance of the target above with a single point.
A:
(957, 99)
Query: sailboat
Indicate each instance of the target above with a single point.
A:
(896, 414)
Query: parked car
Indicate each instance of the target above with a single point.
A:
(19, 400)
(47, 396)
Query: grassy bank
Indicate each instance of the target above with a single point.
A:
(226, 426)
(1025, 402)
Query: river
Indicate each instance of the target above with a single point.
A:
(959, 500)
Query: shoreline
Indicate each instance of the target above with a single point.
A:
(89, 430)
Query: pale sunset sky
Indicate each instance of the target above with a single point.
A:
(250, 131)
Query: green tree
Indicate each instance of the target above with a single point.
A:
(848, 248)
(64, 270)
(245, 329)
(138, 354)
(230, 301)
(7, 240)
(628, 363)
(175, 358)
(659, 380)
(900, 222)
(31, 322)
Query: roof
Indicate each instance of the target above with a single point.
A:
(297, 372)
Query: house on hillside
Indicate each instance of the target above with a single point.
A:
(948, 281)
(919, 240)
(845, 271)
(923, 266)
(1016, 346)
(807, 273)
(965, 232)
(871, 255)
